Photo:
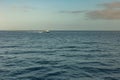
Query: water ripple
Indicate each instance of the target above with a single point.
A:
(59, 55)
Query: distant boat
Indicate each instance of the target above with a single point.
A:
(44, 31)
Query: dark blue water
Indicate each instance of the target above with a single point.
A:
(59, 55)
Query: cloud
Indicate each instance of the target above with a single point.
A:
(72, 12)
(111, 11)
(23, 8)
(111, 5)
(104, 14)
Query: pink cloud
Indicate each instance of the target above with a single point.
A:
(111, 11)
(111, 5)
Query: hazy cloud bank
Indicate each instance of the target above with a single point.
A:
(72, 12)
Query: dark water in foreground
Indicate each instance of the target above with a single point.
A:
(59, 55)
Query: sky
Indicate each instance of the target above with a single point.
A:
(60, 14)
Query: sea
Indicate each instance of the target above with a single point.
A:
(60, 55)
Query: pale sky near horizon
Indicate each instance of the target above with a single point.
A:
(60, 14)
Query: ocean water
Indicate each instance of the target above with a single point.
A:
(60, 55)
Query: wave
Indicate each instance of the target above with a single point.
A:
(28, 52)
(111, 78)
(28, 70)
(9, 46)
(101, 70)
(73, 47)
